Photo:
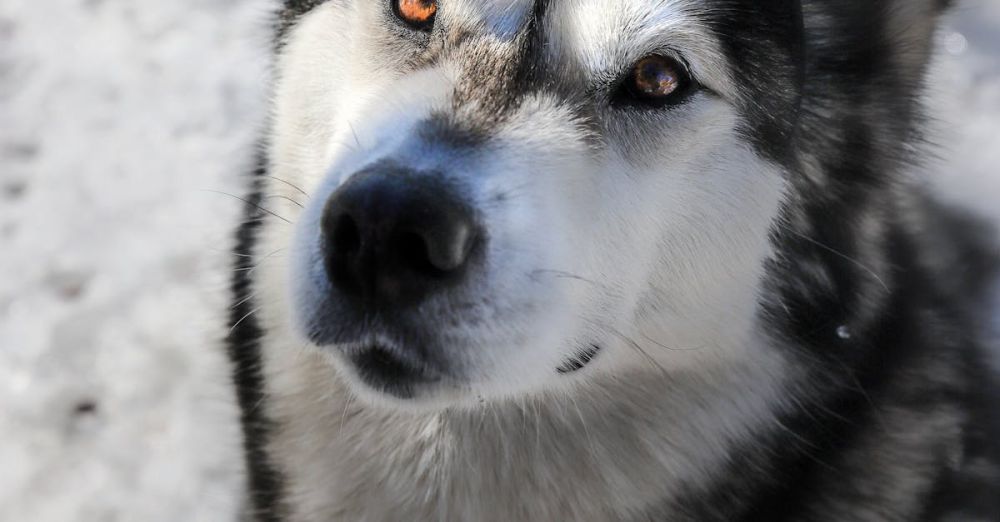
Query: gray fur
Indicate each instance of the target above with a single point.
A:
(783, 334)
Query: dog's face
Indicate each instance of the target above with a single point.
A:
(507, 197)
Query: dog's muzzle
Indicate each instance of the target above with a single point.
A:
(391, 239)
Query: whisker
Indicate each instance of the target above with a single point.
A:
(230, 252)
(347, 406)
(279, 196)
(586, 430)
(561, 274)
(665, 347)
(296, 187)
(630, 342)
(248, 202)
(643, 352)
(806, 444)
(855, 384)
(243, 301)
(834, 251)
(244, 318)
(354, 133)
(249, 269)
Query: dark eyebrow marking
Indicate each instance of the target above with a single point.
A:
(532, 46)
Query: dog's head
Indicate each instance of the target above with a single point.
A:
(502, 197)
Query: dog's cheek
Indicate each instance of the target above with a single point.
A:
(682, 234)
(311, 75)
(526, 188)
(709, 261)
(526, 284)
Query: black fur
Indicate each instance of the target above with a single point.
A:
(878, 289)
(765, 43)
(860, 296)
(290, 12)
(265, 485)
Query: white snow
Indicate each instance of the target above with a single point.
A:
(117, 120)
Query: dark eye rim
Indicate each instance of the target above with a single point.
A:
(424, 27)
(625, 94)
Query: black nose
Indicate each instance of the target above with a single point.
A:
(394, 236)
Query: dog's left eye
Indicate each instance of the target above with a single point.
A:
(655, 81)
(418, 14)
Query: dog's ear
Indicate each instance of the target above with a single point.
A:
(910, 29)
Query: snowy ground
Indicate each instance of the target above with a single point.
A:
(116, 119)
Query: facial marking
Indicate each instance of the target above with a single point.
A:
(608, 37)
(558, 189)
(503, 19)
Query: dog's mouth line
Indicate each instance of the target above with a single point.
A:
(385, 356)
(388, 371)
(581, 360)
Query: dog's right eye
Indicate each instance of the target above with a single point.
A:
(654, 81)
(418, 14)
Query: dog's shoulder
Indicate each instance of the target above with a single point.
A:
(961, 251)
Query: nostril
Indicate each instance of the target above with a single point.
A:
(413, 252)
(449, 246)
(346, 236)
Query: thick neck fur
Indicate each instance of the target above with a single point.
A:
(610, 451)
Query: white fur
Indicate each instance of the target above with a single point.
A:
(656, 255)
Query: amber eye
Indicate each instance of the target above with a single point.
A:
(419, 14)
(655, 80)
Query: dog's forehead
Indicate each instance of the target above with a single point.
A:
(504, 18)
(603, 30)
(508, 17)
(600, 22)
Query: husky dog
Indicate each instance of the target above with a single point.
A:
(639, 260)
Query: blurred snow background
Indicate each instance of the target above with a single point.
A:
(116, 119)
